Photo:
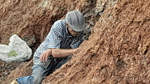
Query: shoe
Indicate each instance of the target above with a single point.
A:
(14, 82)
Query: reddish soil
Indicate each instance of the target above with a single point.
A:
(117, 52)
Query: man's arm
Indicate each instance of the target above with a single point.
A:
(57, 53)
(63, 52)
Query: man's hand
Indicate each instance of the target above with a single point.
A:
(76, 50)
(45, 54)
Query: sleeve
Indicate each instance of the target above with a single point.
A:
(54, 38)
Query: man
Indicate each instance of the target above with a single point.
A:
(62, 41)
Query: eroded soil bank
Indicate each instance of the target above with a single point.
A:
(118, 50)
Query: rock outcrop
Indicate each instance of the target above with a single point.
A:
(118, 50)
(32, 19)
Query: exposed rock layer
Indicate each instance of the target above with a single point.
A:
(32, 20)
(118, 51)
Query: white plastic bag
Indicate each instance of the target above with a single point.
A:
(16, 50)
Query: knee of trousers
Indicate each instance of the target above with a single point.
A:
(37, 79)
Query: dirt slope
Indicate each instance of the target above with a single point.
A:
(117, 52)
(32, 19)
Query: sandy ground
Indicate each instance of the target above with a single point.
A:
(6, 68)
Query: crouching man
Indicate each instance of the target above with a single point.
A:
(62, 41)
